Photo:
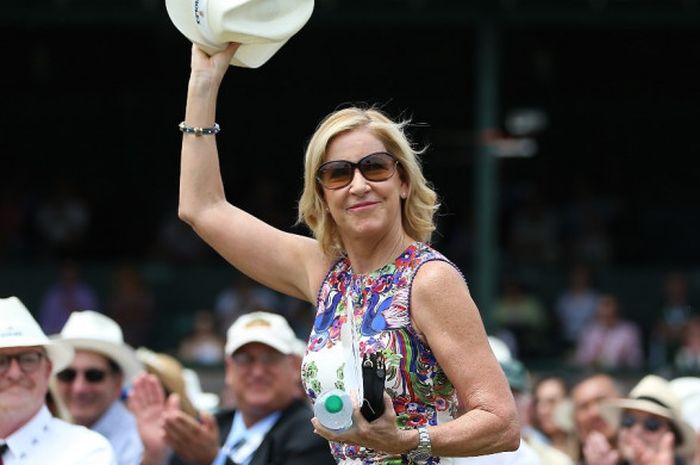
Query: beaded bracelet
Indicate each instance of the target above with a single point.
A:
(200, 131)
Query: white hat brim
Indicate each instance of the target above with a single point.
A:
(122, 355)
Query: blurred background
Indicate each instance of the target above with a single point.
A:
(562, 140)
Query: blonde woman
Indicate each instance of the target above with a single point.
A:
(369, 264)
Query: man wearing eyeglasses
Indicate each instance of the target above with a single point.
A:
(270, 424)
(91, 386)
(29, 434)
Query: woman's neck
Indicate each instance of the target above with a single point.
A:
(366, 256)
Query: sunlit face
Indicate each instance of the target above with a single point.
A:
(87, 400)
(363, 207)
(22, 393)
(587, 397)
(262, 379)
(637, 425)
(549, 394)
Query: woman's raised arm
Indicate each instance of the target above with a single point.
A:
(289, 263)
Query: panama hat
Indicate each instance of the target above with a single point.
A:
(653, 394)
(267, 328)
(262, 27)
(95, 332)
(18, 328)
(168, 370)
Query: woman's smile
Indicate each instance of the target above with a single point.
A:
(361, 206)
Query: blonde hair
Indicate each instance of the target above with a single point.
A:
(418, 208)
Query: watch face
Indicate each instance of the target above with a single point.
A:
(419, 457)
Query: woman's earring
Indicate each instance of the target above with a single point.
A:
(403, 195)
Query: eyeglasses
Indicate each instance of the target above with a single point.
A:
(651, 424)
(28, 361)
(246, 360)
(91, 375)
(378, 166)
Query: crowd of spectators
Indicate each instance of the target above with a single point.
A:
(578, 340)
(577, 320)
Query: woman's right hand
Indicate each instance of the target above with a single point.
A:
(210, 69)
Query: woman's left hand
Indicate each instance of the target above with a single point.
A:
(381, 434)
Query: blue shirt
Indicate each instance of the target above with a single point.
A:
(118, 425)
(242, 442)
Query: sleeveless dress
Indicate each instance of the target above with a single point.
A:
(380, 301)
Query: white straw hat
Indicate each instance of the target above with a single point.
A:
(262, 27)
(267, 328)
(653, 394)
(18, 328)
(95, 332)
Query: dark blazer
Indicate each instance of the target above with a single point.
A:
(291, 441)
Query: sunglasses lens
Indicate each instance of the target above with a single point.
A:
(652, 424)
(377, 167)
(93, 375)
(67, 375)
(335, 174)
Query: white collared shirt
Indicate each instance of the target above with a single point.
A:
(48, 440)
(118, 425)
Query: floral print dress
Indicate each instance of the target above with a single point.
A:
(380, 301)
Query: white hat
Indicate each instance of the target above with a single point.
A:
(261, 26)
(95, 332)
(687, 388)
(19, 329)
(653, 394)
(207, 401)
(500, 349)
(267, 328)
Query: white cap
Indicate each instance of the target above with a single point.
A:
(267, 328)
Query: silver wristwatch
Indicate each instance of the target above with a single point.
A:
(424, 450)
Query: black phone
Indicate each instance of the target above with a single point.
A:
(373, 376)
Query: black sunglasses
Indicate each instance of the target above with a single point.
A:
(650, 424)
(91, 375)
(378, 166)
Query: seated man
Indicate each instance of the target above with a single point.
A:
(270, 424)
(28, 432)
(91, 386)
(587, 395)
